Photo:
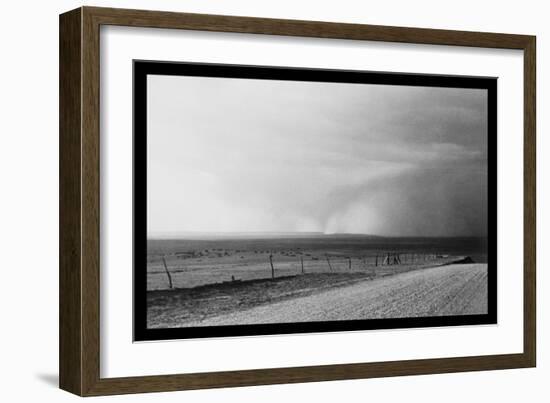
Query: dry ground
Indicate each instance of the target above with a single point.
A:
(457, 289)
(174, 308)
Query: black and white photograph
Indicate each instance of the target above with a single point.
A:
(281, 200)
(250, 196)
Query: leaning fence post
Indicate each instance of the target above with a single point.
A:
(167, 272)
(272, 268)
(302, 261)
(328, 261)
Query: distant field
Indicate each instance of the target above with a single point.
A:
(193, 263)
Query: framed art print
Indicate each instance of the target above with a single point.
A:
(250, 201)
(277, 200)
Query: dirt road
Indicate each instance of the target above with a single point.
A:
(445, 290)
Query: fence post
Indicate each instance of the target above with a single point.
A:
(302, 261)
(272, 268)
(328, 261)
(167, 272)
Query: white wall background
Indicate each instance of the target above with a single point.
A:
(29, 202)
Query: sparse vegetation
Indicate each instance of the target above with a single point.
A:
(203, 279)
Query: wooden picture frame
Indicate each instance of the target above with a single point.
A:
(79, 346)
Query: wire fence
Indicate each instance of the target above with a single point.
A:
(192, 269)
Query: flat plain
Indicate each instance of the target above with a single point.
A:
(282, 278)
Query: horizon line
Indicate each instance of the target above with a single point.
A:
(178, 235)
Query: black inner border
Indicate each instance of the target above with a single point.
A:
(141, 69)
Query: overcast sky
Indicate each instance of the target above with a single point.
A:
(237, 155)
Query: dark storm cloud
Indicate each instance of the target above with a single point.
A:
(251, 155)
